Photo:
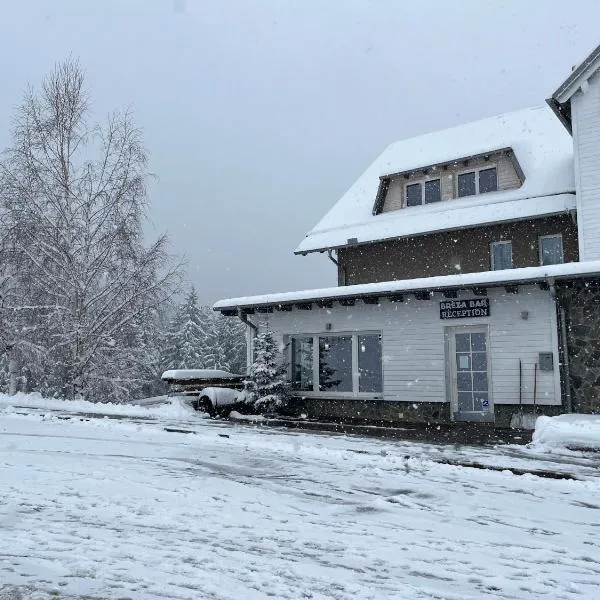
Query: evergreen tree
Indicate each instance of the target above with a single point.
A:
(186, 339)
(226, 343)
(266, 387)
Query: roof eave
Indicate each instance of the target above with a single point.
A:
(430, 232)
(581, 73)
(398, 291)
(562, 111)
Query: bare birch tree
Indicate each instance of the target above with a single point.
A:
(74, 200)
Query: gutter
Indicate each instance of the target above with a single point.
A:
(244, 319)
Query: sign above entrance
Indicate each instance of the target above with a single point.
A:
(465, 309)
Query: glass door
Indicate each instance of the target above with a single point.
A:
(469, 362)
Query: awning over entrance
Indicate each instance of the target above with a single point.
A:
(422, 288)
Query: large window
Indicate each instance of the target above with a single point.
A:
(551, 250)
(501, 255)
(335, 363)
(423, 192)
(369, 363)
(349, 364)
(302, 361)
(478, 181)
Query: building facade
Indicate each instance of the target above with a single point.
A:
(468, 266)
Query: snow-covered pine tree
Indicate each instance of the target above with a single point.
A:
(186, 338)
(211, 350)
(225, 345)
(231, 334)
(266, 386)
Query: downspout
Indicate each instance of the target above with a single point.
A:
(250, 338)
(244, 319)
(565, 348)
(341, 270)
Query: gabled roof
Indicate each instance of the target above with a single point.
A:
(374, 291)
(543, 149)
(559, 101)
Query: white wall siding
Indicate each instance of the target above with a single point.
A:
(414, 342)
(586, 141)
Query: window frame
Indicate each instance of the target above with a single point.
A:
(499, 243)
(562, 247)
(475, 170)
(316, 392)
(422, 181)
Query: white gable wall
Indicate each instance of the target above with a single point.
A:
(585, 114)
(414, 343)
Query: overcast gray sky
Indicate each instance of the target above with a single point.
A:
(259, 114)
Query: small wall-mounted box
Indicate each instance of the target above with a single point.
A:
(546, 361)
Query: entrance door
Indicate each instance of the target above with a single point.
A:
(469, 366)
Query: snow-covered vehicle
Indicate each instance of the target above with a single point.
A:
(208, 390)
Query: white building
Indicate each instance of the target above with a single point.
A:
(468, 266)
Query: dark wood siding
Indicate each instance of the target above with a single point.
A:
(442, 253)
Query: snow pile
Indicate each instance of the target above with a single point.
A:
(575, 432)
(234, 415)
(187, 374)
(163, 407)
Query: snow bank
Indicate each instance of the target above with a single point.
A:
(187, 374)
(575, 432)
(234, 415)
(164, 407)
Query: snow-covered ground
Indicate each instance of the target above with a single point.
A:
(107, 508)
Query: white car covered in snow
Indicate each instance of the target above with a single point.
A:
(208, 390)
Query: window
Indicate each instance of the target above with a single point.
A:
(369, 363)
(423, 192)
(433, 191)
(551, 250)
(335, 363)
(501, 253)
(478, 181)
(466, 184)
(488, 180)
(302, 360)
(414, 194)
(349, 364)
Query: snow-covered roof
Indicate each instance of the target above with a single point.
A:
(193, 374)
(559, 102)
(542, 147)
(524, 275)
(588, 66)
(433, 217)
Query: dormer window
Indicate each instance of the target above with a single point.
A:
(422, 192)
(493, 171)
(478, 181)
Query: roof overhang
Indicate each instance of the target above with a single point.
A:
(563, 112)
(370, 293)
(560, 101)
(452, 215)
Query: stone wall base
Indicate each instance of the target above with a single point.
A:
(388, 413)
(581, 302)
